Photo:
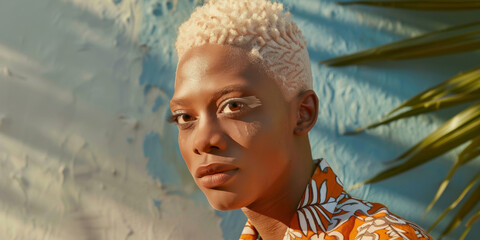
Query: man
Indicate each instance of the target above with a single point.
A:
(244, 105)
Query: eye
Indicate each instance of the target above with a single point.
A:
(183, 118)
(239, 105)
(232, 106)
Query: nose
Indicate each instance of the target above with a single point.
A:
(209, 137)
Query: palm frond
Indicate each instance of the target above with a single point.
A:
(469, 224)
(426, 107)
(470, 185)
(447, 41)
(468, 154)
(460, 89)
(435, 5)
(459, 84)
(469, 205)
(462, 128)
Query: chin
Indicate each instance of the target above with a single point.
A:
(225, 201)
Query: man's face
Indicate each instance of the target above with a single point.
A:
(235, 127)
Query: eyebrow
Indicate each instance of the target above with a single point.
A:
(216, 95)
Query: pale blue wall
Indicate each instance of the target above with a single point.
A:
(354, 96)
(117, 57)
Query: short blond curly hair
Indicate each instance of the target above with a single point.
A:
(260, 26)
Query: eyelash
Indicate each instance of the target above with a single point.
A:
(243, 107)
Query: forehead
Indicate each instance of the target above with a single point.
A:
(213, 59)
(210, 67)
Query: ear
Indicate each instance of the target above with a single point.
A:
(307, 112)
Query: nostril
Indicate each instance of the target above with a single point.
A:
(206, 150)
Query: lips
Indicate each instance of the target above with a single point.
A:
(215, 174)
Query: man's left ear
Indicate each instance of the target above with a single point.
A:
(307, 112)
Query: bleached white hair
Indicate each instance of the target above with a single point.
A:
(261, 27)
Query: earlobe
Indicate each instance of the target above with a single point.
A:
(307, 111)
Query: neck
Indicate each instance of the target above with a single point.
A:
(271, 215)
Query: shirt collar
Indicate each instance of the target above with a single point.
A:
(318, 203)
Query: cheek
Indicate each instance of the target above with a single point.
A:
(252, 129)
(244, 133)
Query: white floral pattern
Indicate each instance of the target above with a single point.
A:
(327, 212)
(321, 236)
(291, 234)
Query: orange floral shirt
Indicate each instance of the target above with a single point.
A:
(327, 212)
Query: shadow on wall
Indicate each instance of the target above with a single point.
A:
(85, 151)
(350, 96)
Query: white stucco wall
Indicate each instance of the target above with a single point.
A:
(86, 153)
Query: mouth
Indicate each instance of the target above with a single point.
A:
(215, 175)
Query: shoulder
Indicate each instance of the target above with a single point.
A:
(373, 221)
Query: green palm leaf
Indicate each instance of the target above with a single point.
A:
(458, 130)
(447, 41)
(465, 88)
(435, 5)
(459, 84)
(469, 204)
(426, 107)
(469, 224)
(468, 154)
(457, 201)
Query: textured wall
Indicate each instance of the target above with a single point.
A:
(86, 153)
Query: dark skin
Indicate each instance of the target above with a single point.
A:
(264, 145)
